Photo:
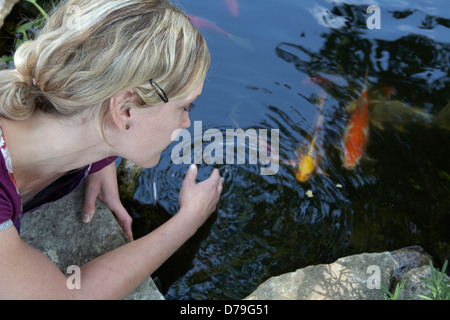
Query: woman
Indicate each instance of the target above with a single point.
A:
(104, 78)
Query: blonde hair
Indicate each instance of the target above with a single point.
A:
(90, 50)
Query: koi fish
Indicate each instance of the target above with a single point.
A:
(319, 80)
(356, 132)
(397, 114)
(204, 24)
(310, 153)
(233, 7)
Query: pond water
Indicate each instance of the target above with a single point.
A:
(399, 194)
(271, 60)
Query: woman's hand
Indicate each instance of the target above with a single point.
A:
(199, 200)
(103, 185)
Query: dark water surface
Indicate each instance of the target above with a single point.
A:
(399, 194)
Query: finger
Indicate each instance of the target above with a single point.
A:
(123, 218)
(215, 180)
(87, 212)
(215, 177)
(191, 174)
(126, 226)
(128, 231)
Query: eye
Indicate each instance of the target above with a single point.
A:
(188, 107)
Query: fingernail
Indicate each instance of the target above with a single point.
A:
(86, 218)
(193, 167)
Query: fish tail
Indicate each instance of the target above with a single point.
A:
(322, 98)
(240, 41)
(365, 79)
(321, 117)
(442, 119)
(363, 100)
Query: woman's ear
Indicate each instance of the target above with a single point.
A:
(119, 107)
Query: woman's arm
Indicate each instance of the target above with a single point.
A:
(26, 273)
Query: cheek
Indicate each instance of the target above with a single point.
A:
(175, 134)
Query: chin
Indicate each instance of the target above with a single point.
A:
(150, 163)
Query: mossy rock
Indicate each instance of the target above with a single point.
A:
(128, 177)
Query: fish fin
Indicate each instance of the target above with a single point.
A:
(442, 119)
(289, 162)
(366, 158)
(351, 106)
(399, 127)
(320, 171)
(304, 146)
(377, 124)
(241, 42)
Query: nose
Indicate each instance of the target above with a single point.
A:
(186, 122)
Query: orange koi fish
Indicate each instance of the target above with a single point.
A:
(309, 157)
(356, 134)
(233, 7)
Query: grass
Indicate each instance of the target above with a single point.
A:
(438, 285)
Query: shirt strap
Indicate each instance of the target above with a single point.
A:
(5, 225)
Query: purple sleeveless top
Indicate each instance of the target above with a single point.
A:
(11, 208)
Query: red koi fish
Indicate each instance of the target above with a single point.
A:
(204, 24)
(356, 134)
(233, 7)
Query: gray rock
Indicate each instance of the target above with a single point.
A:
(414, 285)
(349, 278)
(409, 258)
(5, 8)
(57, 231)
(412, 265)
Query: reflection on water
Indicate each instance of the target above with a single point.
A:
(398, 194)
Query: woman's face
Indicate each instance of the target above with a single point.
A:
(155, 127)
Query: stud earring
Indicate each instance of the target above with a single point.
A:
(127, 127)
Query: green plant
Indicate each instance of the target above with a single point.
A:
(42, 11)
(393, 296)
(28, 26)
(438, 284)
